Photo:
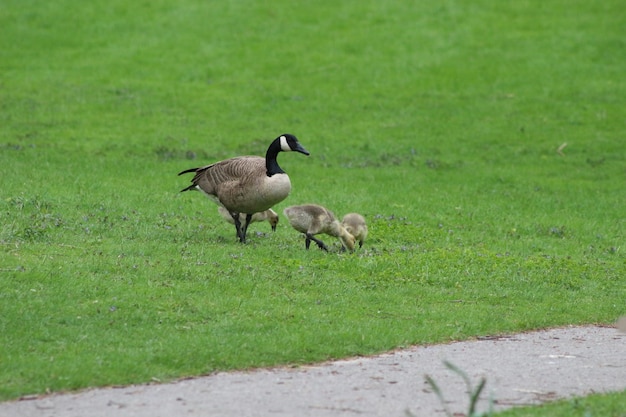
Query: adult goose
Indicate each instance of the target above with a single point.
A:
(247, 184)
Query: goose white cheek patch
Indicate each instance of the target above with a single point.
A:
(284, 145)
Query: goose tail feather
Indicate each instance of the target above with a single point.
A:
(188, 171)
(190, 188)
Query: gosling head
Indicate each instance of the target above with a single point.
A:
(272, 218)
(348, 241)
(339, 230)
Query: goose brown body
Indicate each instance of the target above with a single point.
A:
(241, 185)
(247, 184)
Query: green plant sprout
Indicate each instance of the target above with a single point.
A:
(474, 393)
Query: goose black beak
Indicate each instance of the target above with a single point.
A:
(301, 149)
(273, 228)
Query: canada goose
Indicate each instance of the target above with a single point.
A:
(247, 184)
(312, 219)
(355, 225)
(269, 215)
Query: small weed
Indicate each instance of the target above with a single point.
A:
(557, 231)
(474, 393)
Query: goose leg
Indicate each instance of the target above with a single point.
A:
(320, 244)
(244, 228)
(237, 226)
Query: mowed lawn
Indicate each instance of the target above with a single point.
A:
(483, 142)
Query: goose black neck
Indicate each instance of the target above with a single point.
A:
(271, 164)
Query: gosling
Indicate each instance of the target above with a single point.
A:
(355, 225)
(312, 220)
(268, 215)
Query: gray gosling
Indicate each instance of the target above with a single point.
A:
(247, 184)
(268, 215)
(312, 220)
(356, 226)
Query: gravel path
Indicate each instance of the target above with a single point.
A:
(521, 369)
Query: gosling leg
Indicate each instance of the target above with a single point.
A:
(320, 244)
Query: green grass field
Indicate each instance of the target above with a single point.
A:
(597, 405)
(483, 141)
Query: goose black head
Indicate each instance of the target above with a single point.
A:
(283, 143)
(289, 143)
